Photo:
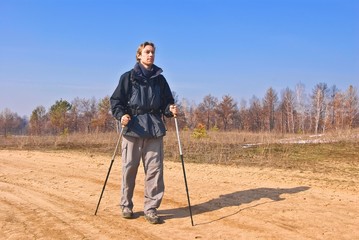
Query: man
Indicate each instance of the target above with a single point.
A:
(140, 100)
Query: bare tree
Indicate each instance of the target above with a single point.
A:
(104, 121)
(244, 116)
(10, 122)
(206, 111)
(331, 108)
(301, 107)
(338, 107)
(352, 105)
(270, 102)
(82, 113)
(288, 99)
(319, 105)
(73, 116)
(255, 115)
(188, 110)
(225, 110)
(38, 120)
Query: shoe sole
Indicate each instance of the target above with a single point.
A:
(152, 221)
(127, 215)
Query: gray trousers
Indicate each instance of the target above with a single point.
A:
(150, 150)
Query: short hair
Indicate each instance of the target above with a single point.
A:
(141, 47)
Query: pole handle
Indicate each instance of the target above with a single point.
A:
(178, 137)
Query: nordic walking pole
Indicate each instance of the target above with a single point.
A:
(184, 171)
(109, 170)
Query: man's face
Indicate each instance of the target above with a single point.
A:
(147, 57)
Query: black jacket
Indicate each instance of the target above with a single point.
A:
(145, 100)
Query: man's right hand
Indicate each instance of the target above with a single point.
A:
(125, 119)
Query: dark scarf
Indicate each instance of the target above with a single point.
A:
(148, 73)
(140, 70)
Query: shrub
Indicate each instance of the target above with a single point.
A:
(199, 132)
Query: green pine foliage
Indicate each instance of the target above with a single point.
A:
(199, 132)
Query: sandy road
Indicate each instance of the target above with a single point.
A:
(53, 195)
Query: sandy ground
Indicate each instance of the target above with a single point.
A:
(53, 195)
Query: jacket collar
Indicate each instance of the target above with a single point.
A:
(154, 72)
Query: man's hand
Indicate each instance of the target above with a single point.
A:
(173, 109)
(125, 119)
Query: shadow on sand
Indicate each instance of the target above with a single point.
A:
(232, 199)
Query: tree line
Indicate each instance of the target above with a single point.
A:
(290, 111)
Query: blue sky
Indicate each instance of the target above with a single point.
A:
(63, 49)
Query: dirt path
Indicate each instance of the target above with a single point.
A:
(53, 195)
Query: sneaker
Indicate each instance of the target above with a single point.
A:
(127, 213)
(152, 217)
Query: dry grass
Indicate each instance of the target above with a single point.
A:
(97, 142)
(333, 152)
